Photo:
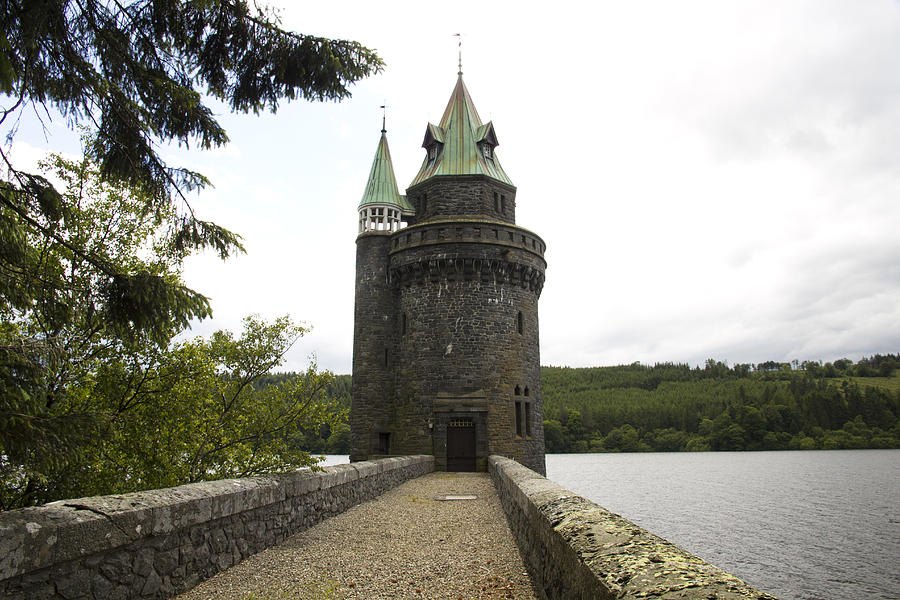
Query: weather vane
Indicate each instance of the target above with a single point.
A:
(459, 35)
(383, 108)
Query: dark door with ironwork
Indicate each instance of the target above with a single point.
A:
(461, 445)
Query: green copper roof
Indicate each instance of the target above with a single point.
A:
(382, 185)
(460, 139)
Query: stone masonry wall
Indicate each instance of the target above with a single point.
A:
(159, 543)
(463, 300)
(574, 549)
(447, 195)
(374, 324)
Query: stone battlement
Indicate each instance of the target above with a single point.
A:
(466, 229)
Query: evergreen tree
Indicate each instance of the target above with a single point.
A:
(77, 298)
(135, 74)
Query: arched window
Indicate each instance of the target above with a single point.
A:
(526, 390)
(518, 391)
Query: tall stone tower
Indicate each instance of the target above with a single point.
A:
(446, 357)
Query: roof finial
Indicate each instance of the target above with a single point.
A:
(383, 108)
(457, 35)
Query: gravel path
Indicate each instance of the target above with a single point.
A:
(403, 544)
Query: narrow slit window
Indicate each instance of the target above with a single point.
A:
(496, 202)
(518, 419)
(384, 443)
(503, 204)
(520, 325)
(403, 324)
(386, 357)
(528, 419)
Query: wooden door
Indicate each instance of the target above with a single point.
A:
(461, 445)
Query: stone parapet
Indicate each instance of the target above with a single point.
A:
(466, 229)
(158, 543)
(575, 549)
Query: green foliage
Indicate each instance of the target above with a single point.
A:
(134, 72)
(192, 413)
(670, 407)
(93, 398)
(198, 416)
(325, 438)
(89, 405)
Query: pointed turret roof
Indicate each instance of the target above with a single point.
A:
(382, 185)
(460, 138)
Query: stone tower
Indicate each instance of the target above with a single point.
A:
(446, 357)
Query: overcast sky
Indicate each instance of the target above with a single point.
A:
(712, 178)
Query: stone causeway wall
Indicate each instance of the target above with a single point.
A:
(574, 549)
(158, 543)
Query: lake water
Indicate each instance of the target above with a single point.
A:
(815, 525)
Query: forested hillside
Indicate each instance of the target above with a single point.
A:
(673, 407)
(769, 406)
(322, 439)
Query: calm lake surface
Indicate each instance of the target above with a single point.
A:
(822, 525)
(814, 525)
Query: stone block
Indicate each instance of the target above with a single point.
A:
(365, 468)
(72, 583)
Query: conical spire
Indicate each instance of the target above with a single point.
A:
(382, 208)
(461, 144)
(382, 185)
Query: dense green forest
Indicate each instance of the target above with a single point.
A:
(323, 438)
(769, 406)
(674, 407)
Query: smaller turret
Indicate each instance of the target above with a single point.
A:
(382, 208)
